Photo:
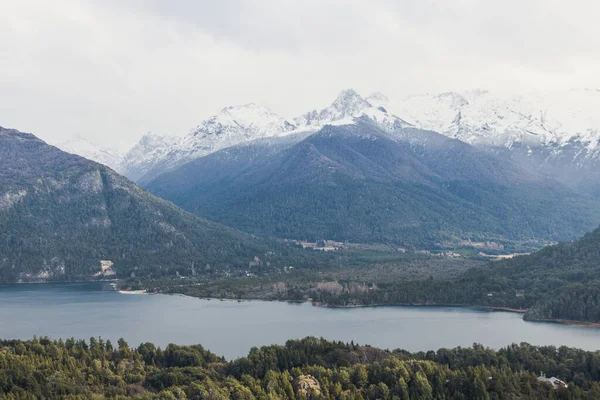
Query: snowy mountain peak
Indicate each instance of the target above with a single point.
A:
(150, 149)
(349, 102)
(347, 108)
(148, 144)
(233, 125)
(249, 120)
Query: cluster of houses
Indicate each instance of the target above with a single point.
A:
(323, 245)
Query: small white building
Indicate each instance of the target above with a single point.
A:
(555, 382)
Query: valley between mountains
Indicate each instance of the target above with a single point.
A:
(364, 202)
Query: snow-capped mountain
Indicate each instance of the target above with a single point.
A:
(240, 124)
(85, 148)
(482, 118)
(558, 132)
(553, 133)
(148, 151)
(346, 109)
(233, 125)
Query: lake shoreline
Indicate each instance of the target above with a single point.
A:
(333, 306)
(569, 322)
(43, 282)
(585, 324)
(474, 306)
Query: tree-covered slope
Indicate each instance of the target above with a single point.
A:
(557, 283)
(564, 280)
(309, 368)
(61, 214)
(358, 183)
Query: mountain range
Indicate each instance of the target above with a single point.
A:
(360, 183)
(428, 170)
(556, 133)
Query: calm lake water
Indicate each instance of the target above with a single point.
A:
(231, 328)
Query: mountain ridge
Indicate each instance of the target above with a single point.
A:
(236, 125)
(556, 134)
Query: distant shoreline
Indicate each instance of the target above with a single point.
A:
(333, 306)
(487, 308)
(144, 291)
(472, 307)
(568, 322)
(41, 282)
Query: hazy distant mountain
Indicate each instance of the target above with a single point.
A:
(150, 150)
(361, 183)
(558, 133)
(61, 214)
(83, 147)
(487, 118)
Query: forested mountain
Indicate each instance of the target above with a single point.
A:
(310, 368)
(61, 214)
(363, 183)
(568, 275)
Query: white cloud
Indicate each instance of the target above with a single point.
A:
(114, 70)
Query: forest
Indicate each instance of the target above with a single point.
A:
(309, 368)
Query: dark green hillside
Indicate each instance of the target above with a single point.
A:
(61, 214)
(560, 282)
(564, 279)
(357, 183)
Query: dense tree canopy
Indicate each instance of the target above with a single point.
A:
(307, 368)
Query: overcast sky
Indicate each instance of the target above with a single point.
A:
(112, 70)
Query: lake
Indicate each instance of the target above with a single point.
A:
(231, 328)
